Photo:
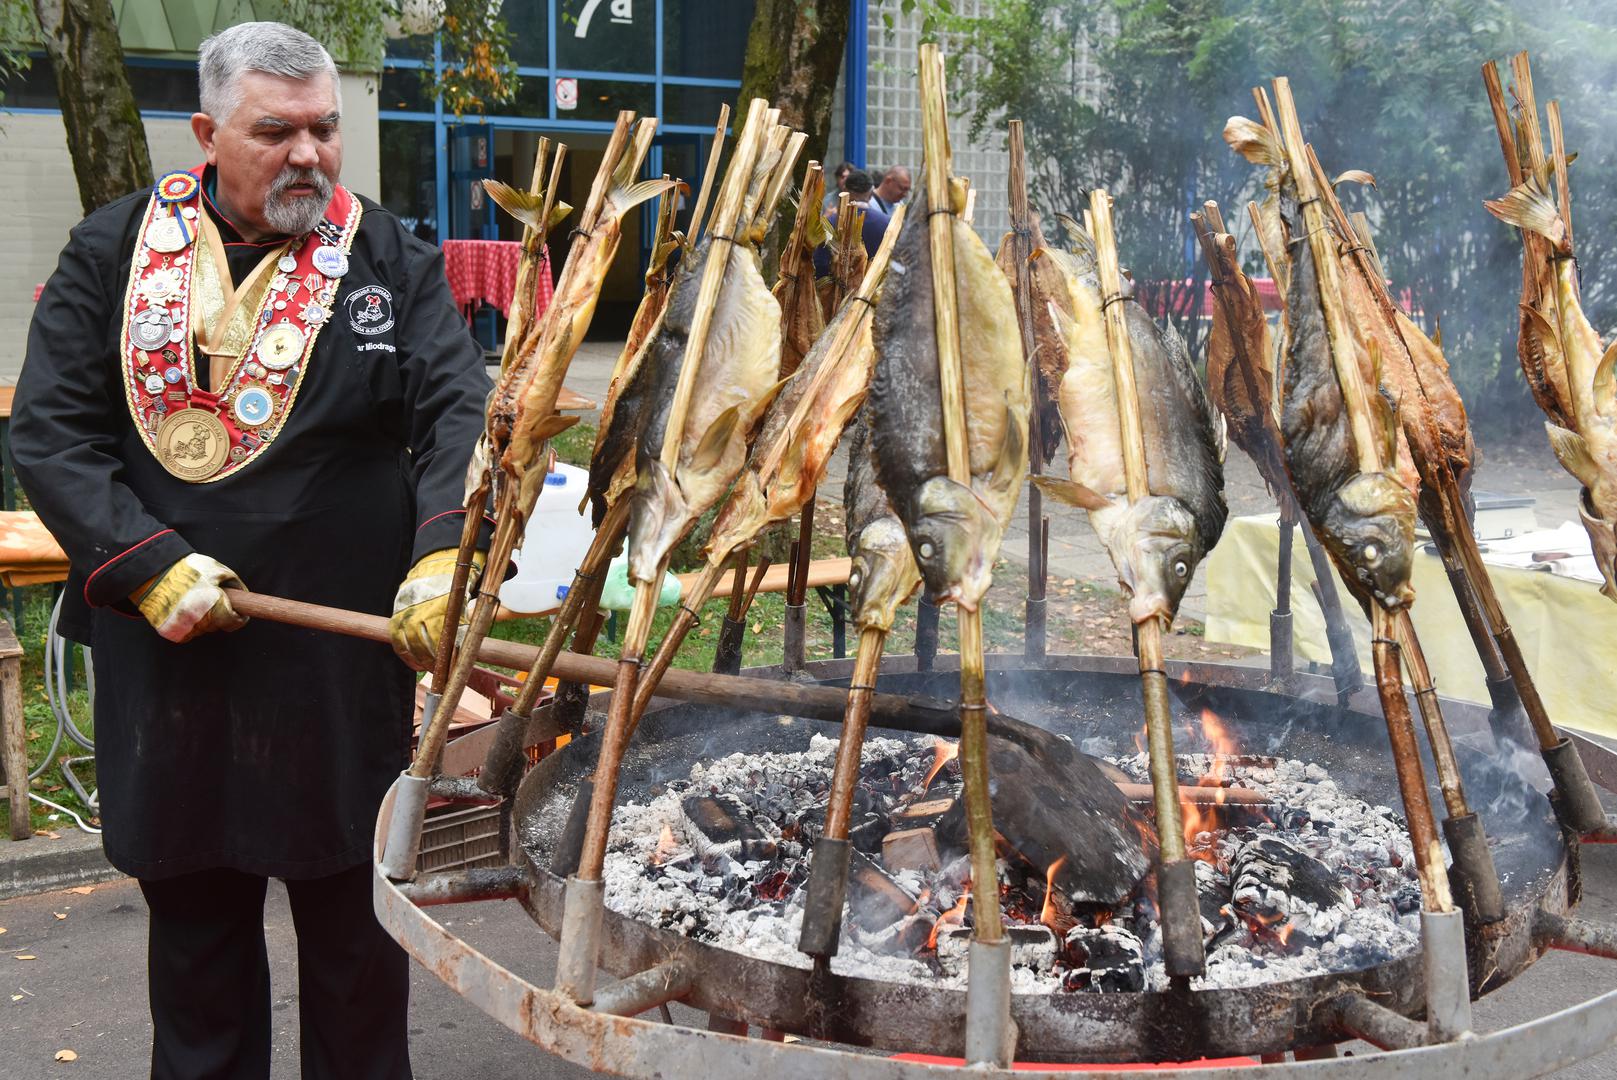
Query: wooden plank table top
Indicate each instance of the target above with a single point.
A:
(7, 393)
(821, 572)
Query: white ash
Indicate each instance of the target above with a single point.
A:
(755, 907)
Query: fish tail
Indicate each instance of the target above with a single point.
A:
(525, 206)
(1254, 141)
(1530, 206)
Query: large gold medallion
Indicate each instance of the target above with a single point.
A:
(192, 444)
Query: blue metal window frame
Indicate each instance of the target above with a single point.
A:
(656, 78)
(130, 61)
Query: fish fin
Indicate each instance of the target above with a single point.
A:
(559, 211)
(1355, 176)
(1437, 335)
(1221, 433)
(1542, 324)
(1605, 382)
(1071, 493)
(1077, 237)
(553, 425)
(1254, 141)
(716, 440)
(625, 197)
(1530, 206)
(1573, 453)
(522, 205)
(1006, 476)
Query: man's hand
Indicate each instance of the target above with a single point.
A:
(421, 604)
(187, 599)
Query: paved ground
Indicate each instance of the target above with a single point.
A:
(1076, 553)
(85, 992)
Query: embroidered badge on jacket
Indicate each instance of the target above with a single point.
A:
(370, 310)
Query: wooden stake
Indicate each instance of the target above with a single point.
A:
(1033, 627)
(1437, 732)
(699, 211)
(1563, 191)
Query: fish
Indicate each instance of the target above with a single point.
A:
(612, 456)
(1049, 359)
(1366, 520)
(739, 368)
(954, 529)
(848, 257)
(1156, 543)
(883, 574)
(801, 318)
(1588, 447)
(522, 414)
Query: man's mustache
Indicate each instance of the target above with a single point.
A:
(296, 175)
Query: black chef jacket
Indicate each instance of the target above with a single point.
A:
(266, 750)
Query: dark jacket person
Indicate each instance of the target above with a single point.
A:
(251, 375)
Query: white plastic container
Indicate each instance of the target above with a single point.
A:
(557, 538)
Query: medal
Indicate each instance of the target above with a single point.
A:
(286, 264)
(314, 314)
(280, 346)
(163, 283)
(331, 262)
(253, 405)
(154, 384)
(150, 329)
(173, 375)
(192, 443)
(166, 235)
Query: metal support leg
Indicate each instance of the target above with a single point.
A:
(990, 1031)
(584, 907)
(1448, 985)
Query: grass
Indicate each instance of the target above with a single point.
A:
(39, 724)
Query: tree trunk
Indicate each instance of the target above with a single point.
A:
(104, 134)
(793, 53)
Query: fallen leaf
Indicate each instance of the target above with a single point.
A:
(757, 628)
(16, 997)
(25, 956)
(2, 929)
(66, 1055)
(48, 834)
(60, 914)
(1069, 581)
(82, 890)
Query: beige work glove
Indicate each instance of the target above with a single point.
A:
(421, 604)
(188, 599)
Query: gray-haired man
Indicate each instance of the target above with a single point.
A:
(250, 374)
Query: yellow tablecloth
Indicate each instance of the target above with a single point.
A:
(1567, 630)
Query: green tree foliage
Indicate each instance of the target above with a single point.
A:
(1382, 85)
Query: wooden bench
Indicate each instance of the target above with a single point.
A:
(13, 738)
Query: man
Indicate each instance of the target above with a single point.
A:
(894, 186)
(252, 375)
(838, 178)
(857, 185)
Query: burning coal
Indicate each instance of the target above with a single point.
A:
(1295, 877)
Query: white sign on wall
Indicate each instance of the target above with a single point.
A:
(566, 94)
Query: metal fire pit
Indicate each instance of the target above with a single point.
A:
(1079, 696)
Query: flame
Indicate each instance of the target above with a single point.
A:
(666, 845)
(943, 752)
(1048, 915)
(1203, 817)
(953, 917)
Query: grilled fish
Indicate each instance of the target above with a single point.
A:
(1049, 360)
(884, 574)
(801, 319)
(739, 367)
(1157, 542)
(954, 530)
(1365, 520)
(1589, 449)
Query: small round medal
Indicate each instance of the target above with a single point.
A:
(154, 384)
(177, 186)
(173, 375)
(256, 370)
(176, 335)
(330, 262)
(190, 212)
(162, 283)
(314, 314)
(150, 329)
(280, 347)
(192, 443)
(166, 235)
(286, 264)
(253, 405)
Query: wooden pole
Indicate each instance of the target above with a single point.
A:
(988, 921)
(1034, 617)
(699, 211)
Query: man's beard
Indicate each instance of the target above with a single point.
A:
(295, 215)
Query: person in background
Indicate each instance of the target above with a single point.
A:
(859, 189)
(891, 189)
(834, 188)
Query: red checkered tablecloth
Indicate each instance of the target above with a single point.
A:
(485, 272)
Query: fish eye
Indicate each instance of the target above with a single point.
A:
(926, 549)
(1181, 568)
(1371, 553)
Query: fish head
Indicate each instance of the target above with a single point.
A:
(657, 520)
(954, 537)
(1157, 547)
(882, 574)
(1369, 529)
